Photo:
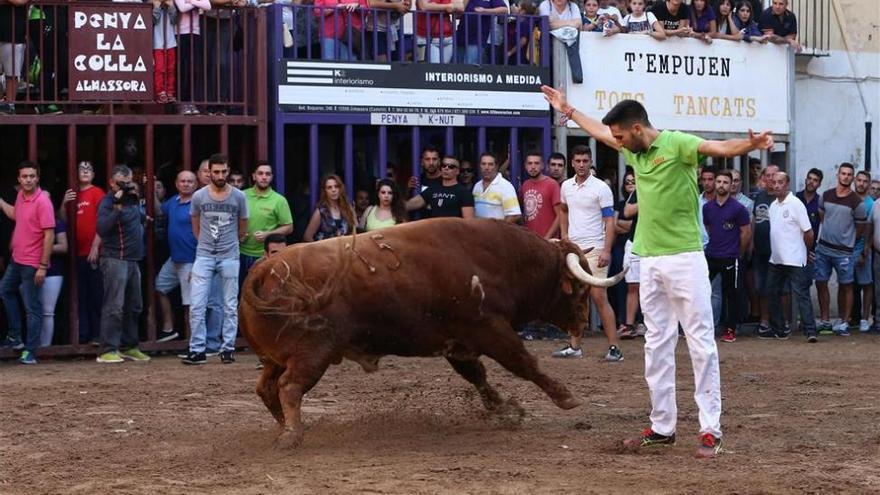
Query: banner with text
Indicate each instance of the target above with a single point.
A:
(413, 94)
(111, 52)
(686, 84)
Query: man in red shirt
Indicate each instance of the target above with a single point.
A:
(88, 243)
(539, 196)
(32, 242)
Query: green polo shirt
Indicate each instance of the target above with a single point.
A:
(666, 179)
(267, 212)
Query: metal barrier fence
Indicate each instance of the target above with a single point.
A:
(814, 25)
(198, 58)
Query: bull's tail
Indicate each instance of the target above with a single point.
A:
(282, 291)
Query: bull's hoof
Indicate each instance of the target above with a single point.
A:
(289, 439)
(569, 402)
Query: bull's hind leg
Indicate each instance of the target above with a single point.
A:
(267, 389)
(473, 371)
(302, 373)
(503, 345)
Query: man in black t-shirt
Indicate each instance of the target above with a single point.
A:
(674, 16)
(13, 20)
(780, 24)
(446, 199)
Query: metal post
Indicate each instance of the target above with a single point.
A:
(313, 164)
(515, 168)
(348, 159)
(547, 142)
(383, 151)
(450, 141)
(279, 163)
(481, 139)
(72, 183)
(416, 166)
(149, 195)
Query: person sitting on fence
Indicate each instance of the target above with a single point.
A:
(164, 51)
(334, 215)
(746, 25)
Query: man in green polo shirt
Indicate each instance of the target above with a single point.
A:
(269, 214)
(674, 285)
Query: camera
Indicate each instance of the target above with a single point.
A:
(129, 193)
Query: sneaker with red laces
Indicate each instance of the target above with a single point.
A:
(710, 446)
(626, 332)
(648, 438)
(729, 335)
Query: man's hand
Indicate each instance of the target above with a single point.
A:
(259, 236)
(762, 141)
(93, 255)
(604, 259)
(811, 256)
(39, 276)
(413, 183)
(69, 195)
(555, 98)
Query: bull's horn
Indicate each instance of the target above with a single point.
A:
(574, 266)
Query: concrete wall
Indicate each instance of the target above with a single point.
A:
(830, 115)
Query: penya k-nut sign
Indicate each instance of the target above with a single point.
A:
(111, 52)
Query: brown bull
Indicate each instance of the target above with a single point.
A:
(443, 287)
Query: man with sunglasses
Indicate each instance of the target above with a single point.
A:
(446, 199)
(466, 174)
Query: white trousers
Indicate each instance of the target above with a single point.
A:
(676, 288)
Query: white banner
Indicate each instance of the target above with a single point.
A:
(685, 84)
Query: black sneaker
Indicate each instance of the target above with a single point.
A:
(783, 334)
(227, 357)
(166, 335)
(765, 333)
(195, 358)
(812, 337)
(649, 439)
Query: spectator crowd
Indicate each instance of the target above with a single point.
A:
(765, 247)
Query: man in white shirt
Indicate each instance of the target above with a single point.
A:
(587, 219)
(791, 236)
(494, 196)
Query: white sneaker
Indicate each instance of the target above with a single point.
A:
(864, 326)
(568, 352)
(840, 326)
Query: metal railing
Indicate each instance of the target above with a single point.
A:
(814, 25)
(216, 52)
(314, 32)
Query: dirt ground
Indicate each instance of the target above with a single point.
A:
(798, 418)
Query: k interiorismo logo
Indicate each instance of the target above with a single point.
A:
(339, 77)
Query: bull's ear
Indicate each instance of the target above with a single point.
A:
(567, 289)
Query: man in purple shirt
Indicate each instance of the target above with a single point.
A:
(727, 223)
(475, 27)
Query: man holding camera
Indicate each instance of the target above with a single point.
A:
(121, 228)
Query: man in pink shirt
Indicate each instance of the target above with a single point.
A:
(539, 196)
(32, 242)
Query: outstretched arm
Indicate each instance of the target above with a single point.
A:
(592, 126)
(737, 147)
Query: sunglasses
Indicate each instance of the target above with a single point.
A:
(449, 165)
(467, 170)
(629, 182)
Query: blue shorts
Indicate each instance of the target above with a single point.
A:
(760, 267)
(842, 263)
(864, 273)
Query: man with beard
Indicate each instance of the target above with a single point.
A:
(540, 199)
(761, 245)
(810, 199)
(219, 221)
(447, 199)
(727, 223)
(843, 221)
(674, 283)
(269, 214)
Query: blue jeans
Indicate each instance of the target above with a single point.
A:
(469, 54)
(333, 49)
(204, 271)
(19, 279)
(800, 280)
(214, 315)
(246, 263)
(122, 304)
(90, 292)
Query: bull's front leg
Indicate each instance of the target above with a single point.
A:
(302, 373)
